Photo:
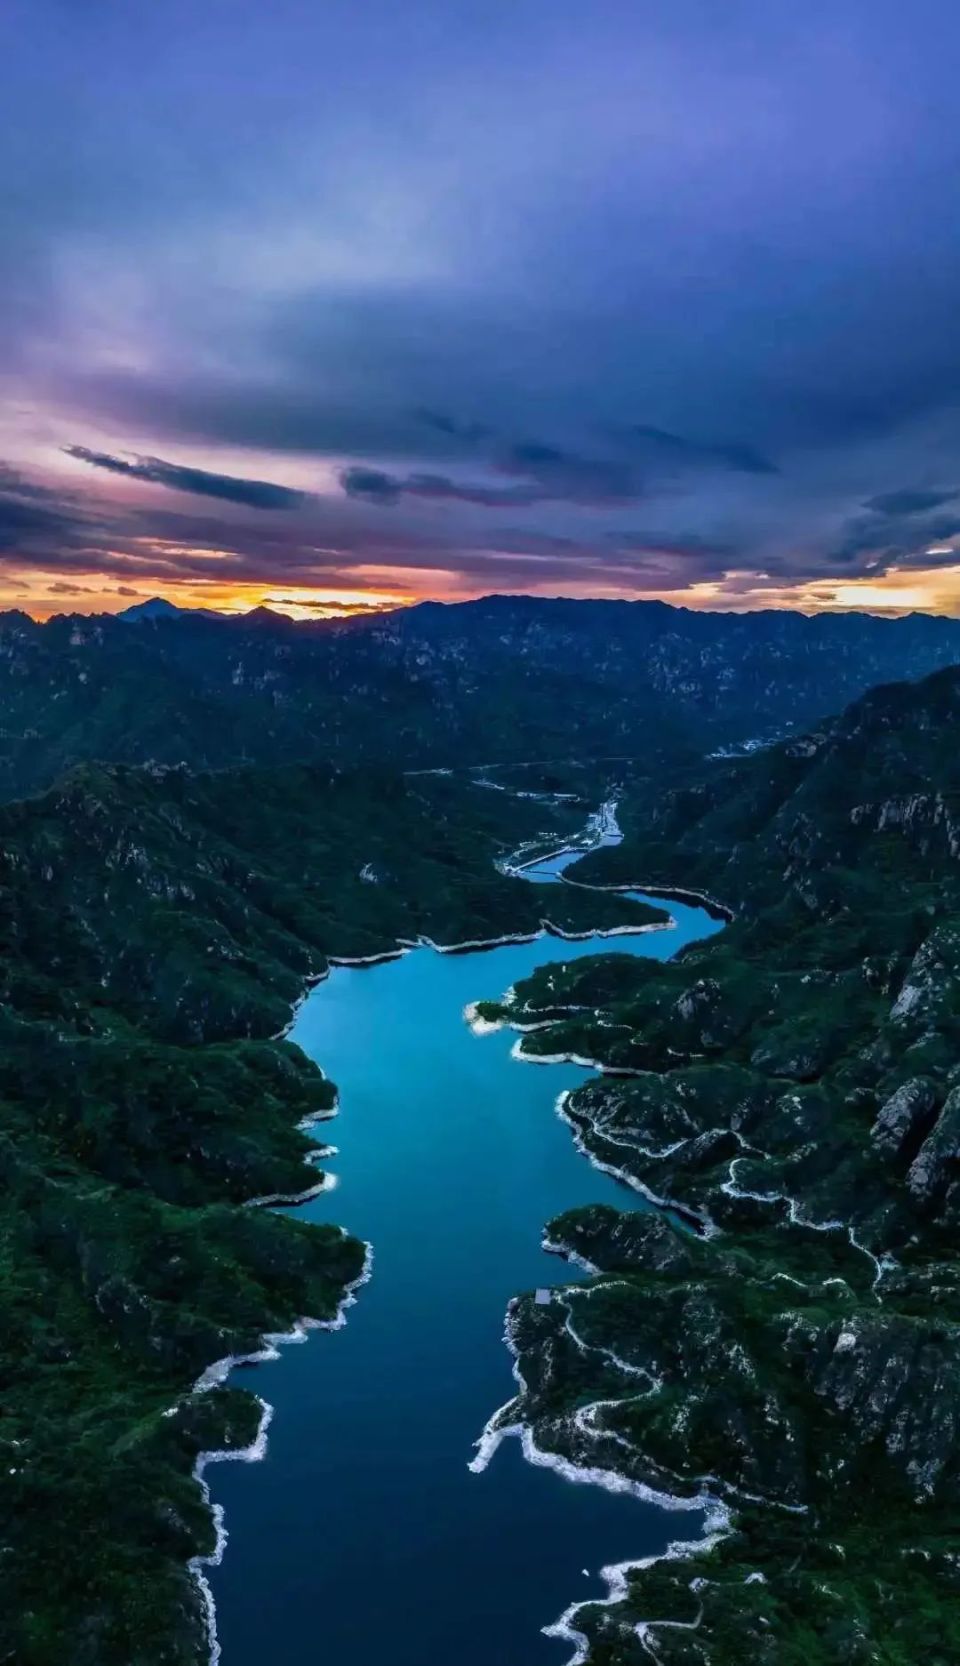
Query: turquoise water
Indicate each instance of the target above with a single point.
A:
(363, 1537)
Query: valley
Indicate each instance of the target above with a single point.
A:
(479, 834)
(767, 1330)
(484, 1162)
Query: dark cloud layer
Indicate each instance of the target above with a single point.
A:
(376, 486)
(909, 501)
(442, 423)
(634, 300)
(22, 522)
(545, 474)
(254, 494)
(40, 522)
(674, 449)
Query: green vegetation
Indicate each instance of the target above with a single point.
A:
(793, 1085)
(504, 679)
(157, 924)
(156, 928)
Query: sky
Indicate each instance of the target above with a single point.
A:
(335, 305)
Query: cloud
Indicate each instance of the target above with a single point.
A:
(469, 432)
(545, 474)
(376, 486)
(539, 290)
(254, 494)
(35, 520)
(876, 541)
(666, 448)
(562, 474)
(683, 545)
(24, 522)
(339, 542)
(911, 501)
(329, 606)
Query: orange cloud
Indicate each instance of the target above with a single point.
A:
(43, 593)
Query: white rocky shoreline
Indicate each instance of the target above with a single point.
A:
(213, 1377)
(716, 1514)
(601, 826)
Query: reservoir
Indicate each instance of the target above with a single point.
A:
(363, 1538)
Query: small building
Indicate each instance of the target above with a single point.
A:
(543, 1298)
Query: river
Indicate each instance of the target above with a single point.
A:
(363, 1537)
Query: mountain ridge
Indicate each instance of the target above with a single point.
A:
(792, 1086)
(500, 680)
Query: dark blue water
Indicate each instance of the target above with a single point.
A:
(363, 1538)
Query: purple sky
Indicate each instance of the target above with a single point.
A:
(446, 298)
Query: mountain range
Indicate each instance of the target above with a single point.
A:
(498, 680)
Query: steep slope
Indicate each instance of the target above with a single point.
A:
(883, 777)
(792, 1087)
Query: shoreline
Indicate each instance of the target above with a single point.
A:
(601, 825)
(517, 1052)
(616, 1574)
(212, 1377)
(680, 893)
(669, 893)
(546, 928)
(326, 1183)
(219, 1370)
(700, 1222)
(694, 1218)
(717, 1516)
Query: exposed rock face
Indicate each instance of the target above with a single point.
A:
(698, 999)
(891, 1377)
(793, 1087)
(904, 1112)
(930, 980)
(936, 1162)
(768, 1375)
(727, 1341)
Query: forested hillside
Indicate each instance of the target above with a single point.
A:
(503, 679)
(791, 1087)
(156, 928)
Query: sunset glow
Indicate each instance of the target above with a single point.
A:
(322, 356)
(935, 590)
